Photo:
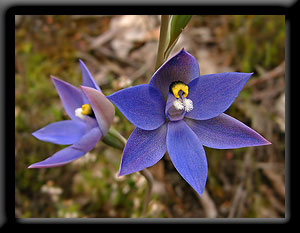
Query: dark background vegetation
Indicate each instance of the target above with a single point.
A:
(120, 52)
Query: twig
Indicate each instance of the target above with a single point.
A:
(240, 192)
(102, 51)
(241, 207)
(208, 205)
(103, 38)
(275, 166)
(236, 200)
(272, 199)
(270, 92)
(139, 73)
(279, 70)
(276, 181)
(147, 174)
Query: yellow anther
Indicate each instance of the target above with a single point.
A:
(179, 86)
(86, 109)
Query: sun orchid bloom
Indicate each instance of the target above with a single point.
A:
(181, 111)
(91, 115)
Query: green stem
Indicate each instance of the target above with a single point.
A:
(149, 179)
(116, 140)
(162, 40)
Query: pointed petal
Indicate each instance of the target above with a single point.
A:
(212, 94)
(225, 132)
(62, 132)
(181, 67)
(87, 78)
(143, 105)
(187, 154)
(60, 158)
(143, 149)
(70, 96)
(71, 153)
(102, 107)
(89, 140)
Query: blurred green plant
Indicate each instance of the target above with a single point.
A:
(255, 39)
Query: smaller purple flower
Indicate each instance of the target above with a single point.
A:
(91, 115)
(181, 111)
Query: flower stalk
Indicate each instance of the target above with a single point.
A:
(162, 43)
(116, 140)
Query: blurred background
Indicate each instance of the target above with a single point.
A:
(120, 51)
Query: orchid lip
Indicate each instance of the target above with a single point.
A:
(180, 104)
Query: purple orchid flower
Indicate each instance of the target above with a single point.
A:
(181, 111)
(91, 115)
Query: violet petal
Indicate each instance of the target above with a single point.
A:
(212, 94)
(62, 132)
(73, 152)
(143, 105)
(102, 108)
(87, 78)
(70, 96)
(181, 67)
(187, 154)
(225, 132)
(89, 140)
(60, 158)
(143, 149)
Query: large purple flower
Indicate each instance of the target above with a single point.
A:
(91, 115)
(180, 111)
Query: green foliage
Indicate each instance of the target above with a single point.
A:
(170, 30)
(177, 24)
(253, 40)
